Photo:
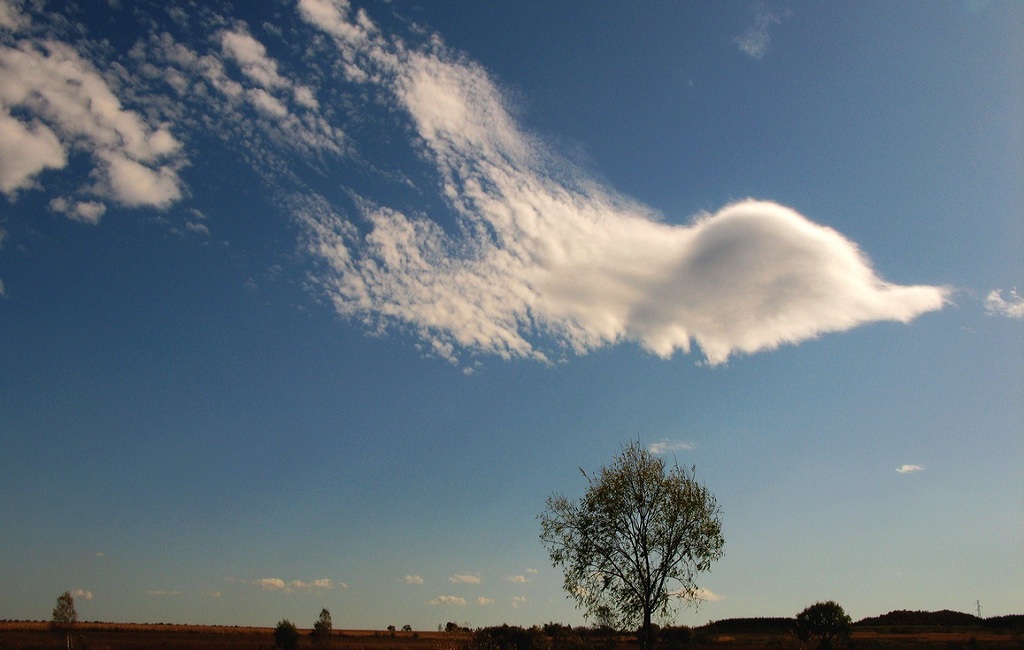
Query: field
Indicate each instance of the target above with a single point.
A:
(123, 636)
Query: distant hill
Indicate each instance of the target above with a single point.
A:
(944, 618)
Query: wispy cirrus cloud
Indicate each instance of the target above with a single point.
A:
(1010, 307)
(909, 469)
(668, 446)
(548, 261)
(756, 39)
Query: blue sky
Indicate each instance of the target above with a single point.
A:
(313, 304)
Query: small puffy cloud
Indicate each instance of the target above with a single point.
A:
(163, 592)
(464, 578)
(532, 571)
(84, 211)
(703, 593)
(1010, 307)
(198, 228)
(251, 57)
(270, 583)
(413, 580)
(484, 601)
(697, 595)
(668, 446)
(84, 594)
(447, 600)
(909, 469)
(517, 579)
(517, 601)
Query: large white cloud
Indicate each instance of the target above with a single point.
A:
(548, 260)
(135, 163)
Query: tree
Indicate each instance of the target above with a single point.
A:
(286, 635)
(64, 617)
(637, 538)
(322, 629)
(826, 621)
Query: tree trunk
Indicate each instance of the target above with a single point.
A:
(646, 636)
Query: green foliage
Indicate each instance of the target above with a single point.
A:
(826, 622)
(322, 629)
(636, 540)
(286, 635)
(64, 614)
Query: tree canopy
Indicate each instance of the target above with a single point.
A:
(826, 622)
(633, 545)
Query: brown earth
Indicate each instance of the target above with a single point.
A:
(128, 636)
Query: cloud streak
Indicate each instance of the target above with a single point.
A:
(277, 584)
(909, 469)
(668, 446)
(547, 261)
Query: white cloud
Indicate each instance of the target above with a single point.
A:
(517, 601)
(484, 601)
(26, 149)
(668, 446)
(10, 15)
(84, 594)
(277, 584)
(703, 593)
(909, 469)
(163, 592)
(251, 57)
(447, 600)
(756, 39)
(198, 228)
(547, 261)
(271, 583)
(72, 106)
(84, 211)
(1011, 307)
(518, 579)
(412, 580)
(464, 578)
(532, 571)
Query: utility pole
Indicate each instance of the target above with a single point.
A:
(978, 603)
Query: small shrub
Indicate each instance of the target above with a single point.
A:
(286, 635)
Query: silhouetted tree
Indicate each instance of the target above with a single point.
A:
(322, 629)
(64, 617)
(638, 537)
(286, 635)
(826, 622)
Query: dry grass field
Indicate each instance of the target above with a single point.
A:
(127, 636)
